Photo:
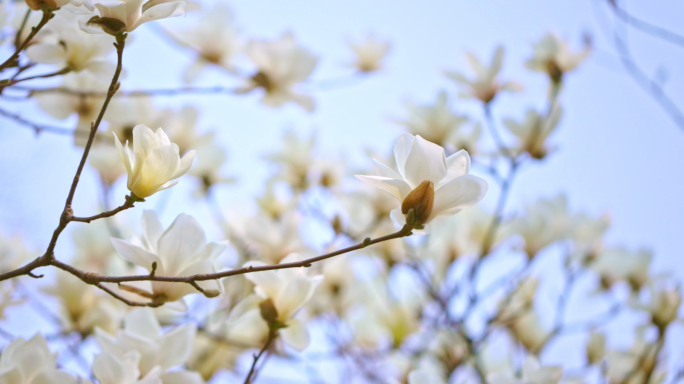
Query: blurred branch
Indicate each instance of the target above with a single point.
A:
(48, 13)
(646, 27)
(138, 93)
(272, 335)
(38, 128)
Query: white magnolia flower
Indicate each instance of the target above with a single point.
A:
(215, 39)
(180, 250)
(296, 159)
(61, 106)
(210, 159)
(439, 124)
(281, 65)
(544, 222)
(118, 16)
(369, 54)
(106, 161)
(158, 351)
(30, 362)
(587, 236)
(72, 49)
(111, 369)
(664, 305)
(425, 376)
(520, 300)
(534, 130)
(427, 181)
(485, 86)
(271, 238)
(287, 290)
(124, 113)
(155, 162)
(532, 373)
(619, 264)
(552, 56)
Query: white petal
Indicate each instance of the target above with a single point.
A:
(159, 167)
(142, 322)
(296, 335)
(46, 53)
(185, 164)
(152, 229)
(160, 11)
(384, 171)
(458, 165)
(459, 193)
(54, 376)
(181, 241)
(401, 151)
(135, 254)
(269, 282)
(396, 187)
(176, 346)
(294, 296)
(425, 162)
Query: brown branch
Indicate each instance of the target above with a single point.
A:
(11, 82)
(47, 15)
(272, 335)
(37, 128)
(138, 93)
(130, 200)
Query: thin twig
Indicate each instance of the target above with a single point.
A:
(272, 335)
(48, 14)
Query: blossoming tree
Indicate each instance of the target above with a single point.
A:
(403, 291)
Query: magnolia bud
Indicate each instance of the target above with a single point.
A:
(268, 311)
(667, 304)
(421, 201)
(110, 25)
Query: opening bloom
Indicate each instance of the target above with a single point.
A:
(155, 162)
(119, 16)
(424, 174)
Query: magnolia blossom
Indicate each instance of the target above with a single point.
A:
(272, 239)
(180, 250)
(439, 124)
(30, 362)
(281, 65)
(111, 369)
(619, 264)
(485, 85)
(552, 56)
(216, 40)
(544, 222)
(154, 163)
(427, 181)
(534, 130)
(210, 158)
(296, 159)
(526, 328)
(73, 50)
(37, 5)
(61, 106)
(119, 16)
(285, 291)
(532, 373)
(664, 306)
(124, 113)
(157, 351)
(369, 54)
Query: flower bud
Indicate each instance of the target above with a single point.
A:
(108, 24)
(666, 305)
(421, 200)
(268, 311)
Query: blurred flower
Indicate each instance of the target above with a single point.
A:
(273, 238)
(596, 348)
(38, 5)
(532, 373)
(281, 65)
(156, 162)
(157, 351)
(13, 253)
(73, 50)
(112, 369)
(369, 54)
(427, 181)
(119, 16)
(534, 131)
(106, 161)
(519, 301)
(124, 113)
(61, 105)
(82, 307)
(6, 298)
(619, 264)
(215, 39)
(439, 124)
(637, 365)
(552, 56)
(664, 306)
(450, 348)
(30, 362)
(180, 250)
(210, 158)
(334, 293)
(424, 376)
(485, 86)
(296, 159)
(458, 236)
(284, 292)
(544, 222)
(526, 328)
(587, 236)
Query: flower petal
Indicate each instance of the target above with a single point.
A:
(425, 162)
(152, 229)
(179, 243)
(161, 11)
(159, 167)
(396, 187)
(142, 322)
(176, 346)
(461, 192)
(182, 377)
(135, 254)
(458, 165)
(296, 335)
(384, 171)
(401, 151)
